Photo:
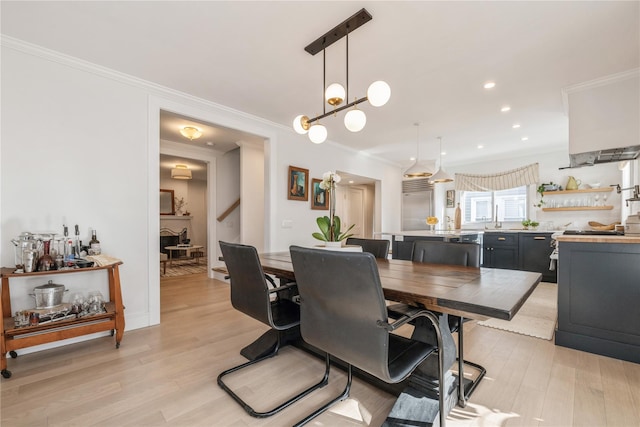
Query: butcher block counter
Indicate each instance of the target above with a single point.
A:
(598, 294)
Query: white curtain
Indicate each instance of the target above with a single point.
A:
(499, 181)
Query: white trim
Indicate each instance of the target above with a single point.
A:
(601, 81)
(159, 90)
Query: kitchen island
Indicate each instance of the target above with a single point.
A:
(402, 241)
(598, 295)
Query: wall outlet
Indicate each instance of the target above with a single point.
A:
(287, 223)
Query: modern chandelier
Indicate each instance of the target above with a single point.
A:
(378, 92)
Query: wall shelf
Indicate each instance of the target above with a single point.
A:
(588, 190)
(579, 208)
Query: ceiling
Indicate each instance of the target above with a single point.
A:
(436, 56)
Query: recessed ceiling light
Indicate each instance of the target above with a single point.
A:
(444, 153)
(351, 182)
(412, 158)
(480, 146)
(505, 109)
(516, 126)
(489, 85)
(525, 138)
(209, 143)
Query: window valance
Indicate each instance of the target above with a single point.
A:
(500, 181)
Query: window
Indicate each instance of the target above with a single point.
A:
(479, 206)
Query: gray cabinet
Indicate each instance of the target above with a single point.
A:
(534, 252)
(500, 250)
(598, 296)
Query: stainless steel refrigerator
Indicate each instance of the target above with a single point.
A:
(417, 204)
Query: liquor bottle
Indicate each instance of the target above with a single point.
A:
(94, 244)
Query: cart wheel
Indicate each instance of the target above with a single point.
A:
(117, 345)
(113, 332)
(6, 373)
(13, 354)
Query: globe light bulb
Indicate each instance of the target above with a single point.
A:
(378, 93)
(297, 124)
(355, 120)
(318, 134)
(334, 94)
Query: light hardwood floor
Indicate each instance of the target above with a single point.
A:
(166, 375)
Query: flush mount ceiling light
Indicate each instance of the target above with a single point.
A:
(181, 172)
(417, 170)
(440, 176)
(335, 94)
(191, 132)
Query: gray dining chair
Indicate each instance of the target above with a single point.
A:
(449, 253)
(346, 317)
(253, 294)
(378, 247)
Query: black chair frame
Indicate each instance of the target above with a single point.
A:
(251, 280)
(455, 322)
(409, 315)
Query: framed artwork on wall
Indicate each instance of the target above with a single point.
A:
(451, 198)
(319, 197)
(298, 184)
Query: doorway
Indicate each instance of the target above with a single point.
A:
(357, 195)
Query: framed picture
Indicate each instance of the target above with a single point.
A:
(319, 197)
(451, 198)
(298, 184)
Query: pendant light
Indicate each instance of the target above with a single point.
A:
(335, 94)
(440, 176)
(417, 170)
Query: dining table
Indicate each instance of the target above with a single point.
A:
(468, 292)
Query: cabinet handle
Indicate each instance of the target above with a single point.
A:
(539, 238)
(502, 238)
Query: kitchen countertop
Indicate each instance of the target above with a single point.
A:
(432, 233)
(598, 239)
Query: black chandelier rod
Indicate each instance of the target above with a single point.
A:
(337, 110)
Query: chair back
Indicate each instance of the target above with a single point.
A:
(341, 301)
(435, 252)
(249, 289)
(379, 248)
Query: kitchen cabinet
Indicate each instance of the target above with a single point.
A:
(598, 296)
(534, 252)
(500, 250)
(14, 338)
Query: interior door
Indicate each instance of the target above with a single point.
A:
(354, 212)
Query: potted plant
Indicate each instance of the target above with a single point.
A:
(330, 226)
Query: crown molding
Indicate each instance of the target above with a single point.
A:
(153, 88)
(601, 81)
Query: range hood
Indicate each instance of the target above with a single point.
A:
(608, 155)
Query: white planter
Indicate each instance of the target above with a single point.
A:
(337, 246)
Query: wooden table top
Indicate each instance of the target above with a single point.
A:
(472, 292)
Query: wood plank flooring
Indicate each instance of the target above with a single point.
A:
(166, 376)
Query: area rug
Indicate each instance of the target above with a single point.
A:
(536, 318)
(182, 267)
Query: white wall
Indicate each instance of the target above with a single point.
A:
(227, 192)
(91, 157)
(549, 164)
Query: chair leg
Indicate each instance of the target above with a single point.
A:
(278, 408)
(462, 395)
(342, 396)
